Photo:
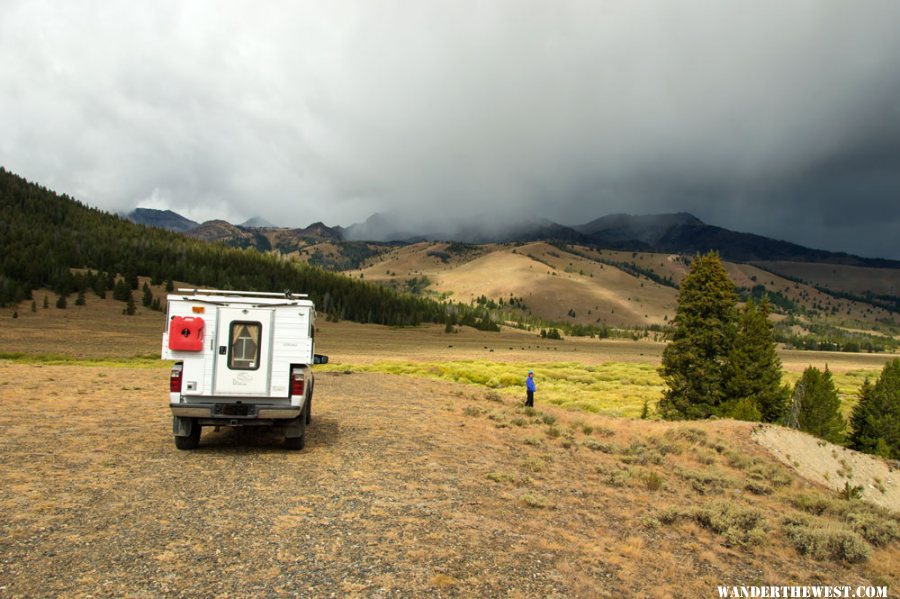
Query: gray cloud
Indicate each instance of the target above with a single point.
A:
(770, 117)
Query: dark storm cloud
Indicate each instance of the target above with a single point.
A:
(770, 117)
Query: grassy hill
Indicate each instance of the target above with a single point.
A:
(827, 306)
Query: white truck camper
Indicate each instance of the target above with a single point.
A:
(242, 358)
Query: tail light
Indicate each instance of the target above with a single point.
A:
(175, 378)
(298, 382)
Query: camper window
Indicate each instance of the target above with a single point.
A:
(244, 345)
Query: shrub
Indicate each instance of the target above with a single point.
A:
(500, 477)
(851, 492)
(705, 481)
(739, 460)
(876, 525)
(497, 417)
(706, 458)
(605, 432)
(758, 488)
(534, 500)
(694, 435)
(669, 515)
(533, 464)
(472, 411)
(875, 528)
(548, 418)
(638, 453)
(619, 477)
(739, 525)
(825, 541)
(552, 432)
(665, 446)
(814, 504)
(772, 473)
(493, 396)
(652, 481)
(596, 445)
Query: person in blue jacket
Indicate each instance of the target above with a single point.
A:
(530, 388)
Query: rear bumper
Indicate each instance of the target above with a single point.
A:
(229, 413)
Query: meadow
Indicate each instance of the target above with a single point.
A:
(612, 388)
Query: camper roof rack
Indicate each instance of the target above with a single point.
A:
(286, 294)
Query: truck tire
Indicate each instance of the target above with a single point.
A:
(192, 440)
(309, 408)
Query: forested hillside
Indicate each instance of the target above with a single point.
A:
(43, 235)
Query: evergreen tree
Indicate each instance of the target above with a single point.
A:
(46, 303)
(170, 285)
(129, 305)
(753, 386)
(876, 418)
(121, 291)
(147, 299)
(131, 278)
(61, 302)
(15, 314)
(817, 406)
(694, 363)
(80, 300)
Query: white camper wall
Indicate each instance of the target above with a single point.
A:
(291, 344)
(198, 365)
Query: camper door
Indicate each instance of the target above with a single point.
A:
(243, 355)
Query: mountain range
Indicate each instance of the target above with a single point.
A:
(679, 233)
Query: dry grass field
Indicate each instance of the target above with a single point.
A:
(416, 484)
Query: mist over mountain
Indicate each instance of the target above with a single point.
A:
(257, 222)
(164, 219)
(679, 233)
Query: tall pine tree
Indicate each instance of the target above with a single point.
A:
(876, 418)
(753, 385)
(694, 363)
(817, 406)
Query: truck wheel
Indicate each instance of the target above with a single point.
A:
(192, 440)
(309, 408)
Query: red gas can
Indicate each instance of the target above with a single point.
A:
(186, 333)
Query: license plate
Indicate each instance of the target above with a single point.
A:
(235, 410)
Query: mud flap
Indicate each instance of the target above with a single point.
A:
(295, 428)
(181, 427)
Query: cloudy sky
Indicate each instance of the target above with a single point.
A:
(778, 118)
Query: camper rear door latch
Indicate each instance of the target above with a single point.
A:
(223, 350)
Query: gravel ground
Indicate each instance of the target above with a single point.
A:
(382, 502)
(407, 487)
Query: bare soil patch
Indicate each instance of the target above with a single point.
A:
(833, 466)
